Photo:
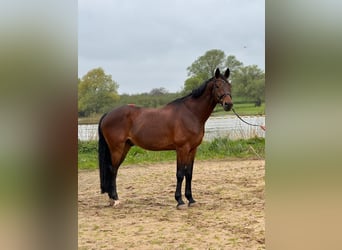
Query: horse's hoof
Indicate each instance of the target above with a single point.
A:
(116, 203)
(193, 204)
(181, 206)
(113, 203)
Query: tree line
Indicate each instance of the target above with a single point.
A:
(98, 92)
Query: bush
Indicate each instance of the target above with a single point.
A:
(87, 146)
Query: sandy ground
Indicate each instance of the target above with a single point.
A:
(229, 214)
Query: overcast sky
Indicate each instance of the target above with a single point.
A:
(146, 44)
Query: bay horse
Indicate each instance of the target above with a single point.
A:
(177, 126)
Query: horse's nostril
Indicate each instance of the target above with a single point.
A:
(227, 106)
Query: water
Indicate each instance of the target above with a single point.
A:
(226, 126)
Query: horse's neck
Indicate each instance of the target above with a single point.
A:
(201, 107)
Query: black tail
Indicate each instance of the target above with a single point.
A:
(105, 163)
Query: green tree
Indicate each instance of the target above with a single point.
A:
(250, 82)
(234, 66)
(159, 91)
(96, 92)
(192, 83)
(205, 65)
(203, 68)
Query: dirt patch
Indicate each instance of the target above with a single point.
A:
(229, 214)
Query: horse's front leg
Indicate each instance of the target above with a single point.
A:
(180, 177)
(188, 178)
(185, 161)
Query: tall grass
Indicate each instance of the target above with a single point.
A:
(221, 148)
(225, 148)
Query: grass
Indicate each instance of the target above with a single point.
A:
(217, 149)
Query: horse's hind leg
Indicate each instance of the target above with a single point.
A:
(118, 156)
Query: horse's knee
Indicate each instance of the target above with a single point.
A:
(180, 176)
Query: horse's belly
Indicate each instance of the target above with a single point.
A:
(153, 140)
(155, 146)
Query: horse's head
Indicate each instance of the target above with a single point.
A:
(222, 89)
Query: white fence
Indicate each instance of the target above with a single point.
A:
(227, 126)
(232, 128)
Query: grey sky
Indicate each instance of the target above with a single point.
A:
(146, 44)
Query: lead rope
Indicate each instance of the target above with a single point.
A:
(256, 125)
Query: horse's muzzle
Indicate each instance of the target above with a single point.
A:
(227, 106)
(226, 101)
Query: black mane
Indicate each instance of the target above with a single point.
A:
(195, 93)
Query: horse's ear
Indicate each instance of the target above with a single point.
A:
(227, 73)
(217, 73)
